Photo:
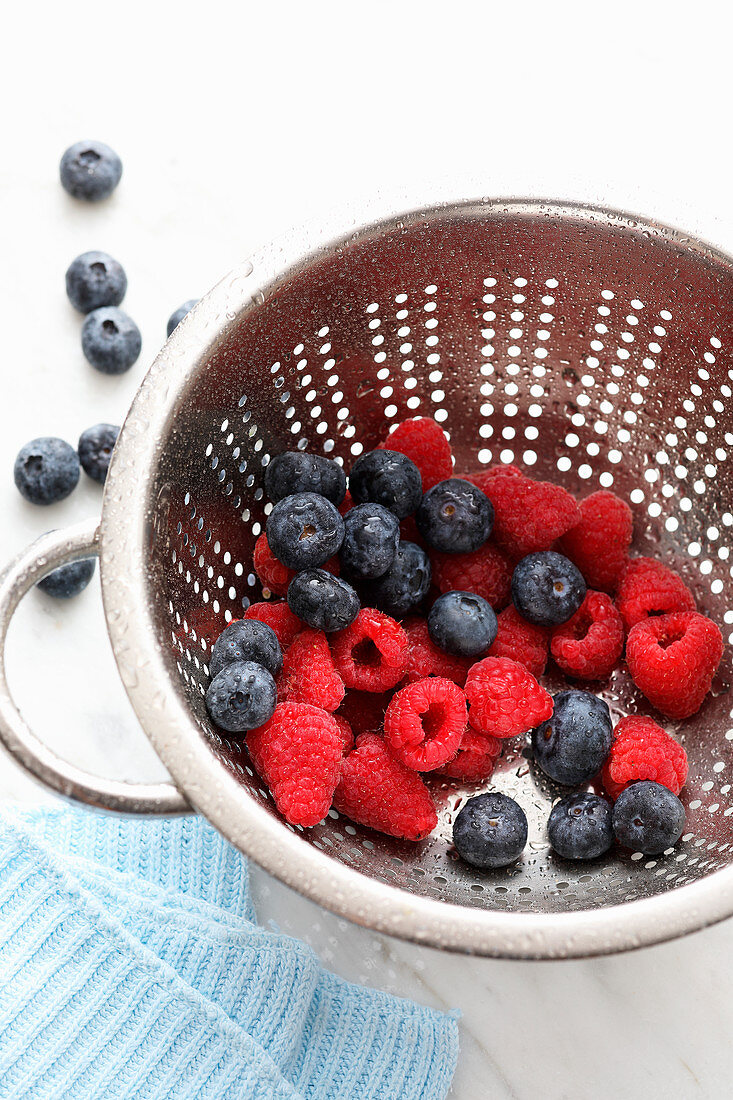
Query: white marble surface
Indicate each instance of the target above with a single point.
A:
(232, 127)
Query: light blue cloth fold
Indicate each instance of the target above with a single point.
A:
(131, 966)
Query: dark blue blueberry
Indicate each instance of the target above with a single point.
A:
(462, 623)
(572, 745)
(46, 470)
(95, 279)
(648, 818)
(403, 586)
(68, 580)
(90, 170)
(177, 316)
(371, 537)
(547, 588)
(304, 531)
(95, 449)
(241, 697)
(247, 640)
(580, 826)
(300, 472)
(490, 831)
(388, 478)
(455, 516)
(323, 601)
(110, 340)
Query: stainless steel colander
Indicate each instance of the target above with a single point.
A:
(592, 347)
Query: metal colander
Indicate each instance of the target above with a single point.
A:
(595, 349)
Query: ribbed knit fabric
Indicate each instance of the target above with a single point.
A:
(131, 966)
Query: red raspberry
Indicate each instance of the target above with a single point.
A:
(378, 791)
(485, 571)
(309, 674)
(589, 644)
(410, 533)
(529, 515)
(347, 734)
(423, 441)
(364, 710)
(475, 759)
(424, 723)
(599, 543)
(504, 698)
(647, 587)
(298, 754)
(673, 659)
(520, 641)
(278, 616)
(643, 750)
(272, 573)
(425, 659)
(480, 477)
(370, 655)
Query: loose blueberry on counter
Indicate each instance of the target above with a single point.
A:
(387, 478)
(462, 623)
(90, 170)
(371, 538)
(177, 316)
(299, 472)
(110, 340)
(95, 450)
(46, 470)
(247, 640)
(304, 531)
(405, 584)
(547, 589)
(241, 697)
(455, 516)
(572, 745)
(68, 580)
(95, 279)
(490, 831)
(648, 818)
(580, 826)
(323, 601)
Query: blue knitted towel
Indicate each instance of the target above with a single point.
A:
(131, 967)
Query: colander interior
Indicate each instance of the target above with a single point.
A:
(593, 350)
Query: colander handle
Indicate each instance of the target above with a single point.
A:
(30, 566)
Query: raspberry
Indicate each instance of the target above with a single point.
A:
(272, 573)
(589, 644)
(529, 515)
(278, 616)
(298, 754)
(347, 734)
(673, 659)
(480, 477)
(425, 659)
(475, 759)
(423, 441)
(599, 543)
(504, 698)
(378, 791)
(410, 533)
(648, 587)
(309, 674)
(643, 750)
(520, 641)
(424, 723)
(370, 655)
(486, 572)
(364, 710)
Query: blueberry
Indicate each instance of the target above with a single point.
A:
(404, 585)
(46, 470)
(572, 745)
(241, 697)
(247, 640)
(388, 478)
(68, 580)
(580, 826)
(177, 316)
(299, 472)
(90, 170)
(490, 831)
(455, 516)
(323, 601)
(371, 537)
(110, 340)
(95, 449)
(462, 623)
(95, 279)
(547, 588)
(648, 818)
(304, 531)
